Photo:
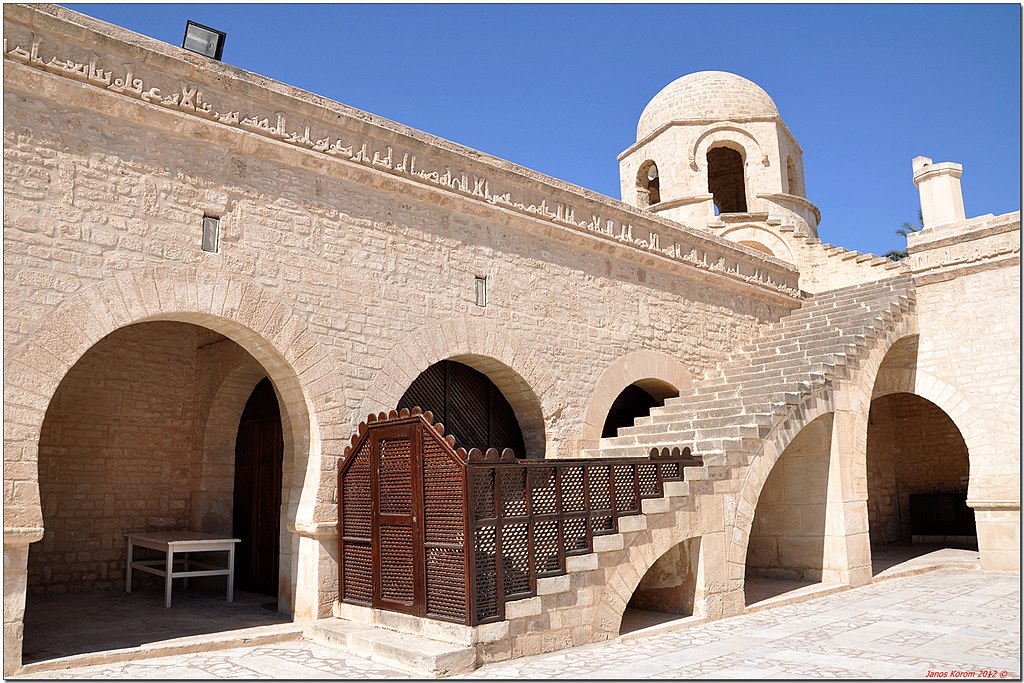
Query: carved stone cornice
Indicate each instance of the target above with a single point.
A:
(938, 254)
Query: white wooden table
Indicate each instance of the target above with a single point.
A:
(183, 543)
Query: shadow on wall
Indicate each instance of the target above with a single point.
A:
(667, 591)
(918, 468)
(787, 538)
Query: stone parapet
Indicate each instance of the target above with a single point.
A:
(58, 41)
(958, 249)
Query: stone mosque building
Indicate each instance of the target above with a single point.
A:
(238, 308)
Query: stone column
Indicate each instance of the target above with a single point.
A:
(847, 546)
(942, 200)
(16, 543)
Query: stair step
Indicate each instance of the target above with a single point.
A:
(415, 654)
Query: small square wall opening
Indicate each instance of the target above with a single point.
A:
(481, 291)
(211, 234)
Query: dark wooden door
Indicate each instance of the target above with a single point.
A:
(469, 404)
(259, 455)
(399, 545)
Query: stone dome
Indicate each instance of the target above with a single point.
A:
(705, 96)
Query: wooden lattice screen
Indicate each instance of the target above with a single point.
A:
(408, 500)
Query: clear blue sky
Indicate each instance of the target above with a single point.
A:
(559, 88)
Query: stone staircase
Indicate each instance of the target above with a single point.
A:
(725, 416)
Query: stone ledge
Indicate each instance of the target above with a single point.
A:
(418, 655)
(581, 563)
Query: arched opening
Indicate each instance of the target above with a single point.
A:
(635, 401)
(667, 591)
(725, 180)
(124, 447)
(648, 185)
(787, 549)
(259, 457)
(758, 246)
(918, 469)
(792, 180)
(469, 404)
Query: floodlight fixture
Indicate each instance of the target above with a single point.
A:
(204, 40)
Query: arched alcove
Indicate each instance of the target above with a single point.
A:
(918, 470)
(787, 548)
(648, 185)
(636, 400)
(726, 181)
(792, 178)
(469, 404)
(122, 449)
(667, 591)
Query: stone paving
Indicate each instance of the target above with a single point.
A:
(946, 621)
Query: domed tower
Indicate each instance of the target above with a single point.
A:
(712, 152)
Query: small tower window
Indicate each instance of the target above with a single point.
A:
(211, 234)
(648, 185)
(792, 183)
(725, 180)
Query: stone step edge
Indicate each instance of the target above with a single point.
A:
(418, 655)
(194, 644)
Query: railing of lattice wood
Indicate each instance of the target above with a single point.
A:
(436, 531)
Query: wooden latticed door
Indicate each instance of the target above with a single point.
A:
(402, 521)
(399, 545)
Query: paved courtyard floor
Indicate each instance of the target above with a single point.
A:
(950, 620)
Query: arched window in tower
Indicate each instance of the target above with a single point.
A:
(792, 183)
(725, 180)
(648, 185)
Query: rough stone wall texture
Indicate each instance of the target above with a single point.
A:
(913, 447)
(91, 194)
(114, 455)
(671, 582)
(787, 539)
(968, 294)
(344, 278)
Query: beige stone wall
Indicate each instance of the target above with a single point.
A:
(101, 183)
(787, 539)
(114, 455)
(670, 584)
(913, 447)
(968, 294)
(348, 253)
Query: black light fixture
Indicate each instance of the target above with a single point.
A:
(204, 40)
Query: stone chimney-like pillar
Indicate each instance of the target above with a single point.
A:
(942, 200)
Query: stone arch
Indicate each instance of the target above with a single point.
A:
(632, 368)
(211, 504)
(726, 135)
(727, 177)
(487, 348)
(898, 372)
(265, 325)
(771, 241)
(792, 177)
(648, 184)
(851, 395)
(620, 581)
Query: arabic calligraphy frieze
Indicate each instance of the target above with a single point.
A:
(189, 98)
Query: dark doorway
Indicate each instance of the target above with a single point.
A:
(725, 180)
(469, 405)
(259, 454)
(635, 401)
